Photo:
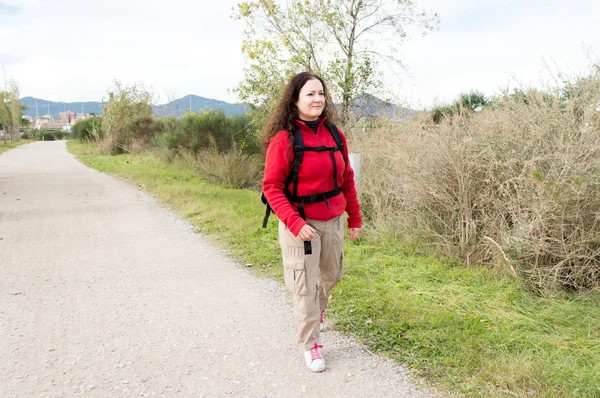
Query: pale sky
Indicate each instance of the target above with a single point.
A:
(67, 50)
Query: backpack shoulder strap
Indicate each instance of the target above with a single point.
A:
(268, 211)
(335, 133)
(298, 146)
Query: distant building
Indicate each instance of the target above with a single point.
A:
(41, 121)
(56, 125)
(29, 119)
(67, 117)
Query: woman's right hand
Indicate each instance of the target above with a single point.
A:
(306, 233)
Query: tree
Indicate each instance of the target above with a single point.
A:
(467, 103)
(23, 123)
(11, 112)
(5, 115)
(341, 40)
(126, 106)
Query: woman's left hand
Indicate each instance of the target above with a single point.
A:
(353, 233)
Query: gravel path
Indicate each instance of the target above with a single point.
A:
(104, 292)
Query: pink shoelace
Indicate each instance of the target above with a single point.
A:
(315, 353)
(322, 317)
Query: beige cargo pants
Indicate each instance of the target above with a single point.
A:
(311, 277)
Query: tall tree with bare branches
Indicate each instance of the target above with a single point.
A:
(342, 40)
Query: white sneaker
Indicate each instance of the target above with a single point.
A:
(314, 358)
(322, 321)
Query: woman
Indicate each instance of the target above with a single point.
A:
(309, 210)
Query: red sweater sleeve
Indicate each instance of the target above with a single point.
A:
(277, 168)
(349, 191)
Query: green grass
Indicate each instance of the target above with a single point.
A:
(469, 330)
(6, 147)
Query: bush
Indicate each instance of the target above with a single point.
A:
(466, 104)
(516, 186)
(144, 128)
(46, 135)
(89, 129)
(123, 116)
(30, 134)
(207, 130)
(231, 169)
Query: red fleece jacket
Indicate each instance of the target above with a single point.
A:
(315, 176)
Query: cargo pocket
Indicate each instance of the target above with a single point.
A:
(339, 240)
(294, 275)
(338, 231)
(341, 266)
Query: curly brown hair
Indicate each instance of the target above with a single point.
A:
(286, 112)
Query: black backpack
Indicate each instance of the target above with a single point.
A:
(293, 197)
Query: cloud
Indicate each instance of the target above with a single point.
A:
(177, 47)
(68, 50)
(492, 45)
(7, 10)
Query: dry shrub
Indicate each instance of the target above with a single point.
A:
(517, 185)
(231, 169)
(103, 146)
(386, 148)
(143, 129)
(166, 155)
(127, 113)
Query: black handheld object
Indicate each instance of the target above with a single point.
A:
(307, 247)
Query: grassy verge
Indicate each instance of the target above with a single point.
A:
(6, 147)
(470, 330)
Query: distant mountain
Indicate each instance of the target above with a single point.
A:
(368, 105)
(365, 105)
(45, 107)
(174, 108)
(181, 106)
